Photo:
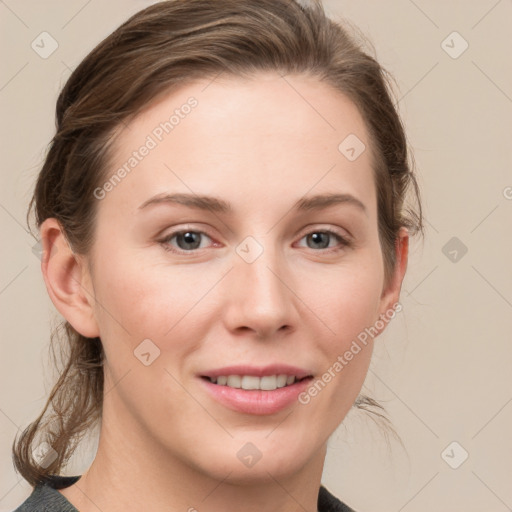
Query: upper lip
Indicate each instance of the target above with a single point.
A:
(261, 371)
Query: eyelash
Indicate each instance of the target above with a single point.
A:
(343, 242)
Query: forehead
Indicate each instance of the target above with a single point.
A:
(267, 134)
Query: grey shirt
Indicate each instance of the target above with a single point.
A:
(46, 498)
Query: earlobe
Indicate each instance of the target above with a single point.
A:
(67, 279)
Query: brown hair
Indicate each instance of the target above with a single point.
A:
(160, 48)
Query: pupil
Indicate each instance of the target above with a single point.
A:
(317, 239)
(189, 239)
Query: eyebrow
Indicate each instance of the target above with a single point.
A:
(215, 204)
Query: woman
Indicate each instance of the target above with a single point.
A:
(222, 219)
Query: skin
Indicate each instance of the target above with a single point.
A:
(165, 444)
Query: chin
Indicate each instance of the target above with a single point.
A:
(259, 461)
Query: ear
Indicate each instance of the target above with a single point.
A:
(391, 292)
(67, 279)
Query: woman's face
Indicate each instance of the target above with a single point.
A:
(268, 278)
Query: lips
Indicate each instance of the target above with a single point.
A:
(256, 390)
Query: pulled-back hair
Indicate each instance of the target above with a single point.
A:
(157, 50)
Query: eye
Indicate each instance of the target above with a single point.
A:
(321, 238)
(187, 240)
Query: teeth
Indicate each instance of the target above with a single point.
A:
(249, 382)
(235, 381)
(281, 380)
(267, 383)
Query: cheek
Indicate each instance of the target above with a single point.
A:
(139, 299)
(348, 304)
(349, 300)
(349, 350)
(349, 308)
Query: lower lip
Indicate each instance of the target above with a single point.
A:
(256, 401)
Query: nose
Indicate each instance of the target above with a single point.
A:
(260, 297)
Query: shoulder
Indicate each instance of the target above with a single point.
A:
(329, 503)
(46, 498)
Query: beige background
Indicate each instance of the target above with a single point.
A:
(443, 366)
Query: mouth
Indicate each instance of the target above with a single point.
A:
(256, 390)
(254, 382)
